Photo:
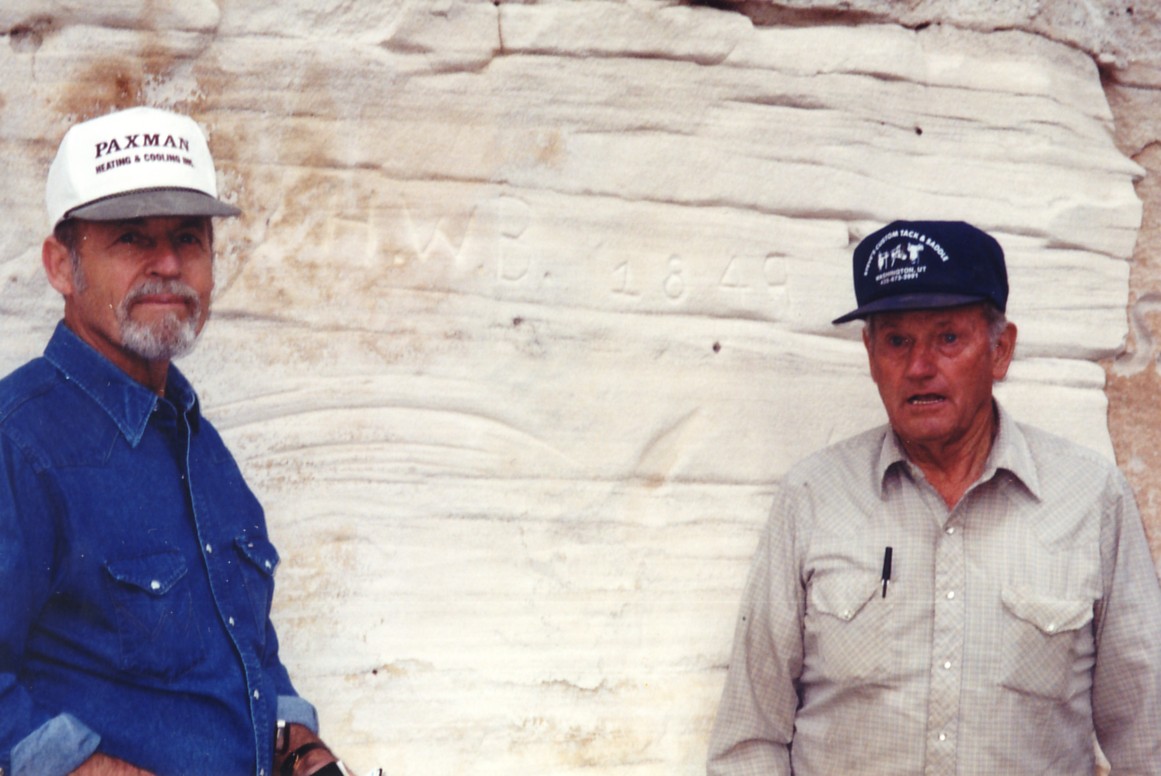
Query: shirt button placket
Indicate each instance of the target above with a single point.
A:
(947, 656)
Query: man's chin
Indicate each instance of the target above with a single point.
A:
(923, 433)
(161, 341)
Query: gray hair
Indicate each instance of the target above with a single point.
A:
(66, 234)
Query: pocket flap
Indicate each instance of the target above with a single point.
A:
(154, 574)
(1050, 615)
(259, 551)
(843, 595)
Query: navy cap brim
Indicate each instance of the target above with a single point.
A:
(146, 203)
(904, 302)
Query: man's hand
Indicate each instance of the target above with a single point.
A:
(312, 760)
(104, 765)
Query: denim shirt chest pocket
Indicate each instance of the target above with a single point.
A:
(154, 611)
(847, 628)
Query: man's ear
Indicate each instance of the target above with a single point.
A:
(58, 265)
(1004, 351)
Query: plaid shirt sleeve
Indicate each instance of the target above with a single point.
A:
(1127, 676)
(755, 721)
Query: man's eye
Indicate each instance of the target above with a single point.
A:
(129, 238)
(896, 340)
(950, 338)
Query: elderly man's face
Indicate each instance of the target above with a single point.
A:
(935, 370)
(141, 289)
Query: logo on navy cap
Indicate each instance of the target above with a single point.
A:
(903, 260)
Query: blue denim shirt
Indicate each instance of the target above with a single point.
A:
(136, 578)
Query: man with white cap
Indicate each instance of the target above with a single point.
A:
(136, 573)
(953, 592)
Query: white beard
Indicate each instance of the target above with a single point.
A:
(167, 338)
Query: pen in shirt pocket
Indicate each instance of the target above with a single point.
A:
(886, 569)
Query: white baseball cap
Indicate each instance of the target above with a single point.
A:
(132, 164)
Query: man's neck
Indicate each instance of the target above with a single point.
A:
(953, 467)
(156, 378)
(153, 374)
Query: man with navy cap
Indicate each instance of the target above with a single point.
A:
(136, 573)
(953, 592)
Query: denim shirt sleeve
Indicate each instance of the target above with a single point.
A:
(292, 708)
(57, 747)
(28, 733)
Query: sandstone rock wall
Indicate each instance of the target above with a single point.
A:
(529, 310)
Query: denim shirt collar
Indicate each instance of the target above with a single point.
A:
(128, 403)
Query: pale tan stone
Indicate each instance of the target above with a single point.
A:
(530, 309)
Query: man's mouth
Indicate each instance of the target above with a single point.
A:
(925, 399)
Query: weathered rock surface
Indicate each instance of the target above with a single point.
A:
(529, 311)
(1122, 36)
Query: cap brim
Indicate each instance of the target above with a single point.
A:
(153, 202)
(910, 302)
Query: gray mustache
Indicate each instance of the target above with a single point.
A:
(152, 287)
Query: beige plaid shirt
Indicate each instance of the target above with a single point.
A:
(1014, 626)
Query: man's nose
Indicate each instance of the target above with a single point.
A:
(920, 363)
(164, 260)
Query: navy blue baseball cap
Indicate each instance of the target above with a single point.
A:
(924, 265)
